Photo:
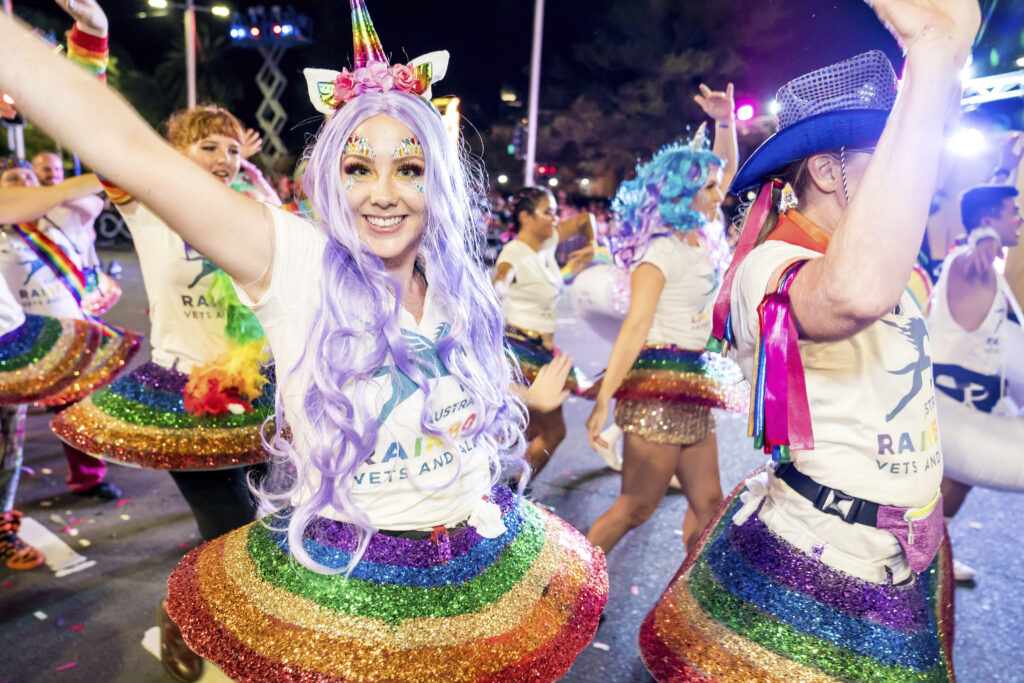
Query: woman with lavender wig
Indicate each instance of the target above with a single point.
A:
(388, 553)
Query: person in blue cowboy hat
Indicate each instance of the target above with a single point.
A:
(827, 564)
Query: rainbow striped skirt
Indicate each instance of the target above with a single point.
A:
(140, 419)
(748, 606)
(44, 356)
(519, 607)
(528, 348)
(666, 372)
(108, 361)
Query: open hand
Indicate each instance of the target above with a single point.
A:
(717, 104)
(547, 391)
(595, 423)
(252, 143)
(953, 22)
(88, 14)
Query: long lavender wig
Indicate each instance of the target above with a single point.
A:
(343, 423)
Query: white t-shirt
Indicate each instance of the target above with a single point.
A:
(531, 301)
(683, 315)
(76, 222)
(981, 351)
(11, 315)
(393, 487)
(872, 405)
(186, 326)
(33, 283)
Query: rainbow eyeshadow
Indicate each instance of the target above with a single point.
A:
(359, 145)
(407, 148)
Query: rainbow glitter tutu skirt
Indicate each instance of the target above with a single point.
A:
(519, 607)
(528, 348)
(666, 372)
(108, 361)
(140, 419)
(748, 606)
(44, 356)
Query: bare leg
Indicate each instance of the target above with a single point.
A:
(646, 471)
(697, 470)
(545, 431)
(953, 495)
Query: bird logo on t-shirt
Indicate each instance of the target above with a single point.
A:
(915, 332)
(423, 354)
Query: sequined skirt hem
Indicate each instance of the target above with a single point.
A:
(43, 356)
(748, 606)
(140, 420)
(666, 372)
(664, 422)
(108, 362)
(520, 607)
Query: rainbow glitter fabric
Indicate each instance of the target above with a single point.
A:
(748, 606)
(519, 607)
(528, 348)
(44, 356)
(665, 372)
(109, 360)
(140, 420)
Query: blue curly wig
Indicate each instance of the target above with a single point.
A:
(657, 201)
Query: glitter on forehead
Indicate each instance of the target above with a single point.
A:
(357, 144)
(407, 148)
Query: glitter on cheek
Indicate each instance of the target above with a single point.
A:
(349, 183)
(357, 144)
(417, 182)
(408, 147)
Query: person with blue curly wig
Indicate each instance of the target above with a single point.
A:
(664, 382)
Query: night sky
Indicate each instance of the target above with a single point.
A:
(489, 41)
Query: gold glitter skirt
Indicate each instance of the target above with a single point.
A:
(44, 356)
(140, 420)
(748, 606)
(454, 608)
(664, 422)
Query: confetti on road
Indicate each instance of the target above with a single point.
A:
(678, 532)
(8, 584)
(69, 665)
(183, 545)
(72, 532)
(45, 503)
(28, 470)
(124, 501)
(84, 542)
(974, 525)
(604, 647)
(47, 471)
(60, 622)
(566, 473)
(57, 519)
(126, 517)
(76, 627)
(634, 590)
(40, 615)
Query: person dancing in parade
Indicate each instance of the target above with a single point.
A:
(977, 353)
(665, 383)
(830, 563)
(529, 282)
(387, 538)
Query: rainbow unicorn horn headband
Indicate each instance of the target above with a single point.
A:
(329, 90)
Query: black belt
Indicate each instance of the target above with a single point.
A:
(825, 499)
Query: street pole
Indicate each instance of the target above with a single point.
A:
(190, 52)
(531, 121)
(15, 134)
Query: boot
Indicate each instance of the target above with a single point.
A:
(14, 552)
(179, 661)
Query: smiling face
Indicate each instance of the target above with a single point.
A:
(218, 154)
(1007, 222)
(710, 196)
(540, 223)
(18, 177)
(48, 167)
(382, 173)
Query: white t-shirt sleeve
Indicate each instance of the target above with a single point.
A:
(512, 253)
(298, 251)
(751, 282)
(660, 254)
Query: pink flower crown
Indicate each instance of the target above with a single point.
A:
(329, 90)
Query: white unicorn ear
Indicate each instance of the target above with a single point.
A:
(437, 63)
(320, 88)
(700, 137)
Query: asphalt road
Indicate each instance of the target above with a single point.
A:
(88, 625)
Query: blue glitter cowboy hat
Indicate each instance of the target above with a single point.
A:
(842, 104)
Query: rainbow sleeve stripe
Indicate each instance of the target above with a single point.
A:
(118, 196)
(89, 52)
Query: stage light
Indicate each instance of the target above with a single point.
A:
(220, 11)
(745, 112)
(584, 182)
(158, 4)
(773, 107)
(967, 142)
(1020, 62)
(553, 182)
(502, 179)
(255, 31)
(276, 29)
(287, 29)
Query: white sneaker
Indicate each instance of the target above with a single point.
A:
(962, 573)
(613, 454)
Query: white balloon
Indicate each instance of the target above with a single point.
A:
(592, 294)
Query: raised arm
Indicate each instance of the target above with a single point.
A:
(721, 106)
(875, 244)
(19, 204)
(109, 136)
